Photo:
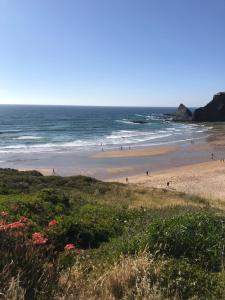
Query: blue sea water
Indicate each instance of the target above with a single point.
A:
(71, 128)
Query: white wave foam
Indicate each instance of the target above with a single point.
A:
(115, 139)
(138, 115)
(127, 122)
(28, 137)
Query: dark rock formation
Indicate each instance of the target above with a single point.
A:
(214, 111)
(182, 114)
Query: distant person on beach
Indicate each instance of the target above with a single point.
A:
(168, 184)
(126, 180)
(147, 173)
(102, 149)
(53, 171)
(129, 148)
(121, 148)
(212, 156)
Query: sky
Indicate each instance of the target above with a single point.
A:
(111, 52)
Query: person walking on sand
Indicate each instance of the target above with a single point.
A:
(212, 156)
(126, 179)
(53, 171)
(168, 184)
(147, 173)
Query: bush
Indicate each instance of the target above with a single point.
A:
(34, 265)
(182, 280)
(92, 226)
(198, 237)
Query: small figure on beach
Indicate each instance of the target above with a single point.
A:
(129, 147)
(212, 156)
(126, 179)
(53, 171)
(147, 173)
(168, 184)
(121, 148)
(102, 149)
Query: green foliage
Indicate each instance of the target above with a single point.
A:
(183, 280)
(67, 260)
(186, 240)
(91, 226)
(198, 237)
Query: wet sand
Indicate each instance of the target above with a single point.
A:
(153, 151)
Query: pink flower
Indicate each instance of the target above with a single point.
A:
(78, 252)
(69, 247)
(15, 225)
(53, 222)
(38, 238)
(37, 235)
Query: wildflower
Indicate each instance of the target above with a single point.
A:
(69, 247)
(38, 238)
(53, 222)
(4, 213)
(37, 235)
(15, 225)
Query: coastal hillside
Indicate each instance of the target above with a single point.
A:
(80, 238)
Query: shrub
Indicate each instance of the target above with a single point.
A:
(89, 228)
(199, 237)
(182, 280)
(35, 265)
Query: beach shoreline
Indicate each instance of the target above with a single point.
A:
(136, 152)
(187, 168)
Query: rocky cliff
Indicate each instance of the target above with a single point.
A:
(214, 111)
(182, 114)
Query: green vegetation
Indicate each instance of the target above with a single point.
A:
(130, 242)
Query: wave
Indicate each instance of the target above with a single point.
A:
(28, 137)
(127, 122)
(138, 115)
(159, 132)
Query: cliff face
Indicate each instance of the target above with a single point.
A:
(214, 111)
(182, 114)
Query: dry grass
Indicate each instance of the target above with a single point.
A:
(130, 278)
(163, 198)
(14, 290)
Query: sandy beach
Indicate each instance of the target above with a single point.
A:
(187, 167)
(137, 152)
(203, 179)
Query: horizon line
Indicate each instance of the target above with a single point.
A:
(78, 105)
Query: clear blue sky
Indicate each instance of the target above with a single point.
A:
(111, 52)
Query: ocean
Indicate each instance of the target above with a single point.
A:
(41, 129)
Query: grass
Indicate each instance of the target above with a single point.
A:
(133, 242)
